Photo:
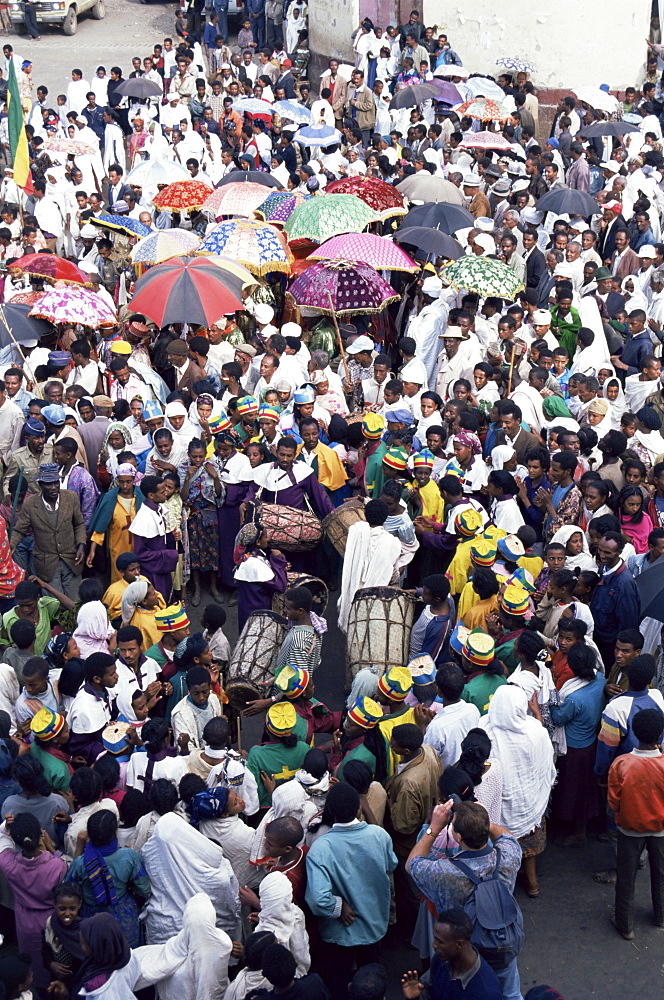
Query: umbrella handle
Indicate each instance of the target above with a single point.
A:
(339, 340)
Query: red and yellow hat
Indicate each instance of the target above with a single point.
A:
(483, 552)
(396, 683)
(171, 619)
(365, 712)
(219, 423)
(514, 600)
(280, 719)
(292, 681)
(396, 458)
(423, 460)
(479, 647)
(373, 426)
(46, 724)
(266, 412)
(468, 522)
(247, 406)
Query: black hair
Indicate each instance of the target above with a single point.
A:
(197, 675)
(25, 831)
(368, 983)
(315, 763)
(163, 796)
(408, 735)
(23, 633)
(527, 535)
(528, 645)
(216, 733)
(130, 633)
(70, 889)
(154, 733)
(540, 455)
(279, 966)
(36, 667)
(285, 830)
(640, 672)
(28, 772)
(301, 597)
(647, 726)
(438, 586)
(577, 627)
(456, 781)
(503, 481)
(358, 774)
(450, 681)
(564, 578)
(190, 785)
(148, 485)
(581, 661)
(108, 770)
(625, 494)
(86, 786)
(376, 513)
(342, 803)
(96, 665)
(475, 752)
(254, 948)
(485, 582)
(213, 617)
(133, 806)
(102, 827)
(565, 459)
(90, 590)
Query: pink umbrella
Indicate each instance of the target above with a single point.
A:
(340, 286)
(484, 140)
(235, 199)
(376, 251)
(74, 304)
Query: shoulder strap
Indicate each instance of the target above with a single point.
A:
(470, 874)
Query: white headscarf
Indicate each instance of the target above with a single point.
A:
(289, 799)
(93, 629)
(280, 915)
(583, 560)
(617, 406)
(637, 299)
(500, 454)
(131, 598)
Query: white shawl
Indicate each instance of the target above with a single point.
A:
(582, 561)
(280, 915)
(289, 799)
(370, 561)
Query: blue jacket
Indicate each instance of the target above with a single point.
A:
(580, 713)
(615, 604)
(351, 863)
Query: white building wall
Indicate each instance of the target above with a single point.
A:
(331, 24)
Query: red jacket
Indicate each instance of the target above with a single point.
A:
(636, 791)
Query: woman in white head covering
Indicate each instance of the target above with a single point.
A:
(634, 297)
(178, 423)
(599, 418)
(93, 629)
(279, 914)
(613, 392)
(576, 548)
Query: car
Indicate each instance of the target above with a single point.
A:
(59, 12)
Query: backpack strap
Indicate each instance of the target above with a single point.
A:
(470, 874)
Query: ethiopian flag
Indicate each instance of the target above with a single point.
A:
(18, 141)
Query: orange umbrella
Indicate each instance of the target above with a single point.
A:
(182, 196)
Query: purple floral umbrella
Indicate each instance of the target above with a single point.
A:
(340, 286)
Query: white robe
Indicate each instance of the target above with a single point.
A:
(426, 329)
(371, 559)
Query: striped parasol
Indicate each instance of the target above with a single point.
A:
(161, 246)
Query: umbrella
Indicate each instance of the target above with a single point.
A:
(570, 201)
(450, 69)
(340, 286)
(257, 245)
(254, 108)
(446, 91)
(514, 63)
(24, 327)
(317, 135)
(376, 251)
(431, 241)
(232, 266)
(485, 110)
(484, 140)
(483, 275)
(50, 267)
(150, 173)
(608, 128)
(596, 98)
(385, 200)
(140, 88)
(482, 86)
(650, 585)
(410, 97)
(423, 186)
(250, 177)
(325, 216)
(161, 246)
(26, 297)
(187, 290)
(121, 224)
(278, 205)
(447, 218)
(68, 146)
(234, 199)
(74, 305)
(293, 111)
(182, 196)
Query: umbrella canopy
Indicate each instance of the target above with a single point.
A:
(608, 128)
(24, 327)
(50, 267)
(187, 290)
(446, 91)
(568, 200)
(385, 200)
(161, 246)
(431, 241)
(254, 108)
(149, 173)
(317, 135)
(28, 297)
(483, 109)
(484, 276)
(424, 187)
(232, 266)
(340, 286)
(182, 196)
(68, 146)
(515, 63)
(257, 245)
(234, 199)
(74, 305)
(325, 216)
(481, 86)
(596, 98)
(447, 218)
(139, 87)
(650, 585)
(376, 251)
(250, 177)
(121, 224)
(484, 140)
(293, 111)
(410, 97)
(279, 205)
(450, 69)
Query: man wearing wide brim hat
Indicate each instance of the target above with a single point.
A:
(455, 363)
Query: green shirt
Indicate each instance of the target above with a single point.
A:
(48, 609)
(278, 761)
(56, 771)
(373, 472)
(358, 753)
(481, 689)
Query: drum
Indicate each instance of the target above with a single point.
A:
(290, 529)
(339, 520)
(251, 670)
(318, 588)
(379, 627)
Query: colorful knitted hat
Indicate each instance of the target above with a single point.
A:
(514, 600)
(292, 681)
(171, 619)
(396, 458)
(46, 724)
(219, 423)
(468, 522)
(373, 426)
(511, 547)
(115, 739)
(458, 638)
(151, 410)
(396, 683)
(422, 669)
(423, 460)
(303, 395)
(483, 552)
(479, 647)
(365, 712)
(247, 406)
(519, 579)
(280, 719)
(454, 469)
(266, 412)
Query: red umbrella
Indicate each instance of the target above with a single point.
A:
(49, 267)
(382, 197)
(187, 290)
(182, 196)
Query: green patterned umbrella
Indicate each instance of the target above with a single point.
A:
(325, 216)
(483, 275)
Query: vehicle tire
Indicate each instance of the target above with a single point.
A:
(98, 12)
(70, 22)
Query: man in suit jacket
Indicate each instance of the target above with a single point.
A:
(186, 372)
(286, 79)
(547, 281)
(612, 216)
(115, 189)
(332, 80)
(534, 258)
(624, 261)
(361, 105)
(54, 517)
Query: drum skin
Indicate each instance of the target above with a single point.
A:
(379, 626)
(337, 523)
(251, 670)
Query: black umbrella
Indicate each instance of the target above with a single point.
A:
(440, 215)
(568, 201)
(139, 88)
(410, 97)
(431, 241)
(608, 128)
(650, 585)
(248, 176)
(23, 327)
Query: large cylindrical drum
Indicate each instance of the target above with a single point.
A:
(318, 588)
(379, 626)
(290, 529)
(251, 670)
(337, 523)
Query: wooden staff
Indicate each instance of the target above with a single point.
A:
(339, 340)
(509, 377)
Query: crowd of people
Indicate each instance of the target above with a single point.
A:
(495, 463)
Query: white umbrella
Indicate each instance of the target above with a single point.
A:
(426, 188)
(449, 69)
(477, 86)
(596, 98)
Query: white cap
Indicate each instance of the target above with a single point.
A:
(88, 267)
(263, 313)
(291, 330)
(541, 317)
(647, 251)
(361, 344)
(521, 185)
(453, 331)
(563, 270)
(89, 232)
(412, 372)
(484, 224)
(611, 165)
(432, 286)
(531, 216)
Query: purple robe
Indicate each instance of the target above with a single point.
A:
(258, 596)
(293, 495)
(229, 525)
(158, 556)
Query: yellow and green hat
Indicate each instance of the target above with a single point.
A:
(373, 426)
(46, 724)
(514, 600)
(396, 683)
(423, 460)
(219, 423)
(479, 647)
(396, 458)
(483, 552)
(292, 681)
(266, 412)
(365, 712)
(171, 619)
(280, 719)
(247, 406)
(468, 522)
